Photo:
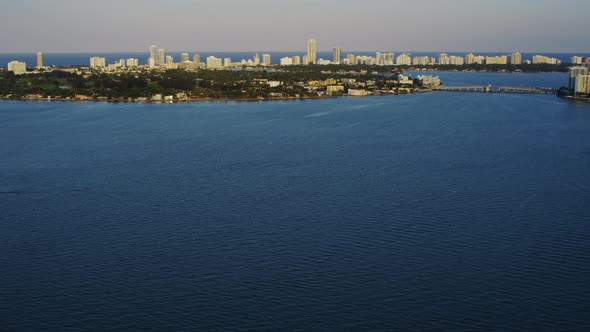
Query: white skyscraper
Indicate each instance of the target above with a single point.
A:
(214, 63)
(161, 57)
(266, 59)
(154, 53)
(97, 62)
(311, 51)
(336, 55)
(39, 60)
(574, 72)
(184, 57)
(516, 58)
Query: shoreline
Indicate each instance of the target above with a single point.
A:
(197, 100)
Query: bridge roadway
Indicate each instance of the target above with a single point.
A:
(495, 89)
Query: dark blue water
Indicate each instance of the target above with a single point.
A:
(438, 211)
(82, 59)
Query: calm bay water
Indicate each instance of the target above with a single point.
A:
(423, 212)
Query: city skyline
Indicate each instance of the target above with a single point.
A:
(109, 26)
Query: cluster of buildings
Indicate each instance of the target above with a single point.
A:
(19, 68)
(159, 59)
(579, 80)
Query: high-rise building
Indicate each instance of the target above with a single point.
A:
(497, 60)
(296, 60)
(443, 59)
(161, 57)
(576, 60)
(306, 59)
(184, 57)
(351, 59)
(311, 51)
(541, 59)
(97, 62)
(256, 59)
(132, 62)
(197, 59)
(582, 85)
(169, 60)
(404, 60)
(214, 63)
(574, 72)
(17, 67)
(227, 62)
(266, 60)
(154, 54)
(336, 55)
(470, 59)
(516, 58)
(286, 61)
(39, 60)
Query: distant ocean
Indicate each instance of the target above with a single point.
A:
(71, 59)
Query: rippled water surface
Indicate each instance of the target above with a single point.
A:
(423, 212)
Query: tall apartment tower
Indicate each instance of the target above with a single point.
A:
(154, 53)
(515, 58)
(575, 72)
(184, 57)
(336, 55)
(39, 60)
(161, 57)
(266, 60)
(311, 51)
(197, 59)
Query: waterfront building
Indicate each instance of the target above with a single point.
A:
(404, 60)
(516, 58)
(214, 63)
(169, 60)
(17, 67)
(286, 61)
(497, 60)
(184, 57)
(120, 63)
(470, 59)
(97, 62)
(582, 85)
(296, 60)
(429, 81)
(39, 60)
(336, 55)
(541, 59)
(266, 59)
(311, 51)
(576, 60)
(151, 62)
(443, 59)
(573, 73)
(456, 60)
(256, 59)
(227, 62)
(197, 59)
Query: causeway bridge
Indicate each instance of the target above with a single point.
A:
(495, 89)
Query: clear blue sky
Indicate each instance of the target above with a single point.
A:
(280, 25)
